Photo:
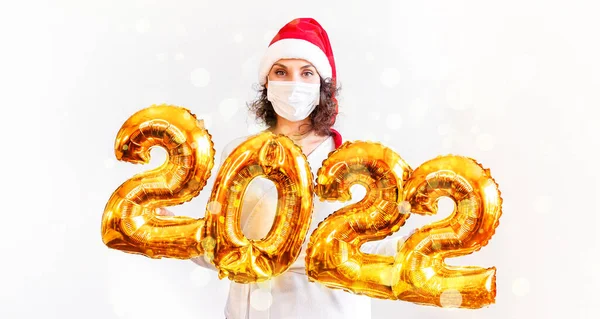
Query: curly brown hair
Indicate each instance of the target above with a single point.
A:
(321, 119)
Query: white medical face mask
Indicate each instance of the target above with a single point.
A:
(294, 101)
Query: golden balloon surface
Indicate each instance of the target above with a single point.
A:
(129, 222)
(277, 158)
(333, 254)
(417, 273)
(420, 274)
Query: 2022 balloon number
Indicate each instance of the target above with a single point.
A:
(417, 273)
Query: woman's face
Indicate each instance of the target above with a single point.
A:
(293, 70)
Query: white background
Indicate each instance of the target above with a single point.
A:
(513, 84)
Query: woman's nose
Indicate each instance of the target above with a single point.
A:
(295, 76)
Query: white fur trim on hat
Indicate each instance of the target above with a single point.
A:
(294, 49)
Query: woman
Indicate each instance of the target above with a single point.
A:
(297, 75)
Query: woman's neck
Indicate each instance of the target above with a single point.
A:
(294, 130)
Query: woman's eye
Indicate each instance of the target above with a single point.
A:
(308, 73)
(280, 72)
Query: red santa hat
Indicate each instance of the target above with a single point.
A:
(302, 38)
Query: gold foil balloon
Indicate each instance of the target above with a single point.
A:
(416, 274)
(333, 257)
(129, 222)
(420, 274)
(277, 158)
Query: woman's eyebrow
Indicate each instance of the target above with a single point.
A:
(285, 67)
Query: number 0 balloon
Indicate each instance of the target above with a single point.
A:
(279, 159)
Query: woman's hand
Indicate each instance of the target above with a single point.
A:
(163, 212)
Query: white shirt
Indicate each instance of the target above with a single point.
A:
(291, 295)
